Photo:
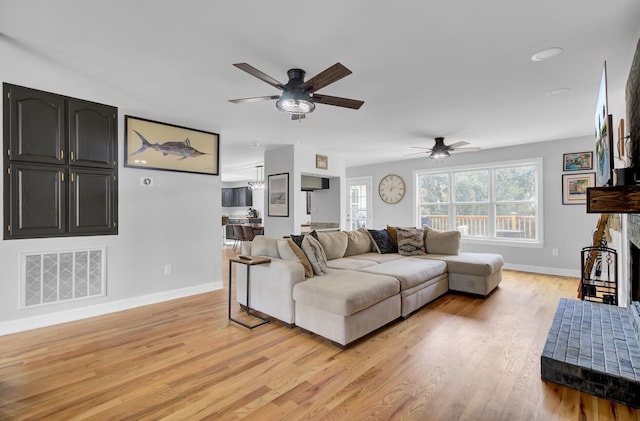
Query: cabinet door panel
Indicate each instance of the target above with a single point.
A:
(92, 134)
(248, 194)
(36, 125)
(227, 197)
(37, 201)
(92, 201)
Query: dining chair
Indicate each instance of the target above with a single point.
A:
(247, 231)
(238, 235)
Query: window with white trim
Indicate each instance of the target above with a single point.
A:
(499, 201)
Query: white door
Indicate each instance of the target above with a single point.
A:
(358, 203)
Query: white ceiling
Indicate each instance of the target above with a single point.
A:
(459, 69)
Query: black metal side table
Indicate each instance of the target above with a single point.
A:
(248, 261)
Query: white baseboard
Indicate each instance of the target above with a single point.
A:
(50, 319)
(574, 273)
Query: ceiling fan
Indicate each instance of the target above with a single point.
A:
(298, 96)
(441, 151)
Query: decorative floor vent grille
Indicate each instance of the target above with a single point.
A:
(53, 277)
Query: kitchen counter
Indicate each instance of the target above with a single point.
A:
(244, 220)
(320, 227)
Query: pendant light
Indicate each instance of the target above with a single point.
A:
(259, 183)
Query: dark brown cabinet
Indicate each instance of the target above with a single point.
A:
(36, 126)
(92, 129)
(237, 196)
(60, 165)
(227, 197)
(38, 194)
(93, 193)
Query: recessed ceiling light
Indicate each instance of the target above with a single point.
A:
(547, 54)
(560, 91)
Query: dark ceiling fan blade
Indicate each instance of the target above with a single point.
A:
(254, 99)
(457, 144)
(298, 116)
(326, 77)
(260, 75)
(420, 147)
(417, 153)
(337, 101)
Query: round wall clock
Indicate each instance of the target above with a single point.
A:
(391, 188)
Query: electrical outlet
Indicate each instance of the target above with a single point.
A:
(554, 252)
(167, 269)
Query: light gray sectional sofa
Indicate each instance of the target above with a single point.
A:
(348, 288)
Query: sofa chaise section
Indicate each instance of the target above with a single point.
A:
(344, 305)
(472, 273)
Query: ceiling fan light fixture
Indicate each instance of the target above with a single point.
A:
(439, 154)
(295, 103)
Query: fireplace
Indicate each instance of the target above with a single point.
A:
(595, 347)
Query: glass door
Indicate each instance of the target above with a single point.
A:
(358, 203)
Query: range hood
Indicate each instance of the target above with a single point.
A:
(310, 183)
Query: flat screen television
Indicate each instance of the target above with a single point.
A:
(603, 135)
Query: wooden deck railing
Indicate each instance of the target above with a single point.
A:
(507, 226)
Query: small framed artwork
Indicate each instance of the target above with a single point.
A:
(578, 161)
(278, 194)
(322, 162)
(160, 146)
(574, 187)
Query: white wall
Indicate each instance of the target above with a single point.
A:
(567, 228)
(177, 221)
(297, 160)
(326, 203)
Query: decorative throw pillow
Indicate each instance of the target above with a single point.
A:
(290, 251)
(359, 242)
(383, 242)
(314, 252)
(442, 242)
(298, 238)
(411, 242)
(393, 232)
(264, 246)
(334, 244)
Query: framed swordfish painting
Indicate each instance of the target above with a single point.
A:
(161, 146)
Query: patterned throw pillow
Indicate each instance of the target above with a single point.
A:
(383, 242)
(411, 242)
(315, 253)
(298, 238)
(393, 232)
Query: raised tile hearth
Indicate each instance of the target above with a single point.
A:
(594, 348)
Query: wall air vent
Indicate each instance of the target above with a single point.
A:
(62, 276)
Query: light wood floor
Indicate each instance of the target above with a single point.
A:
(457, 358)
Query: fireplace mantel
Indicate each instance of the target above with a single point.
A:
(617, 199)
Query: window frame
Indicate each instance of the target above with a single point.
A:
(538, 242)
